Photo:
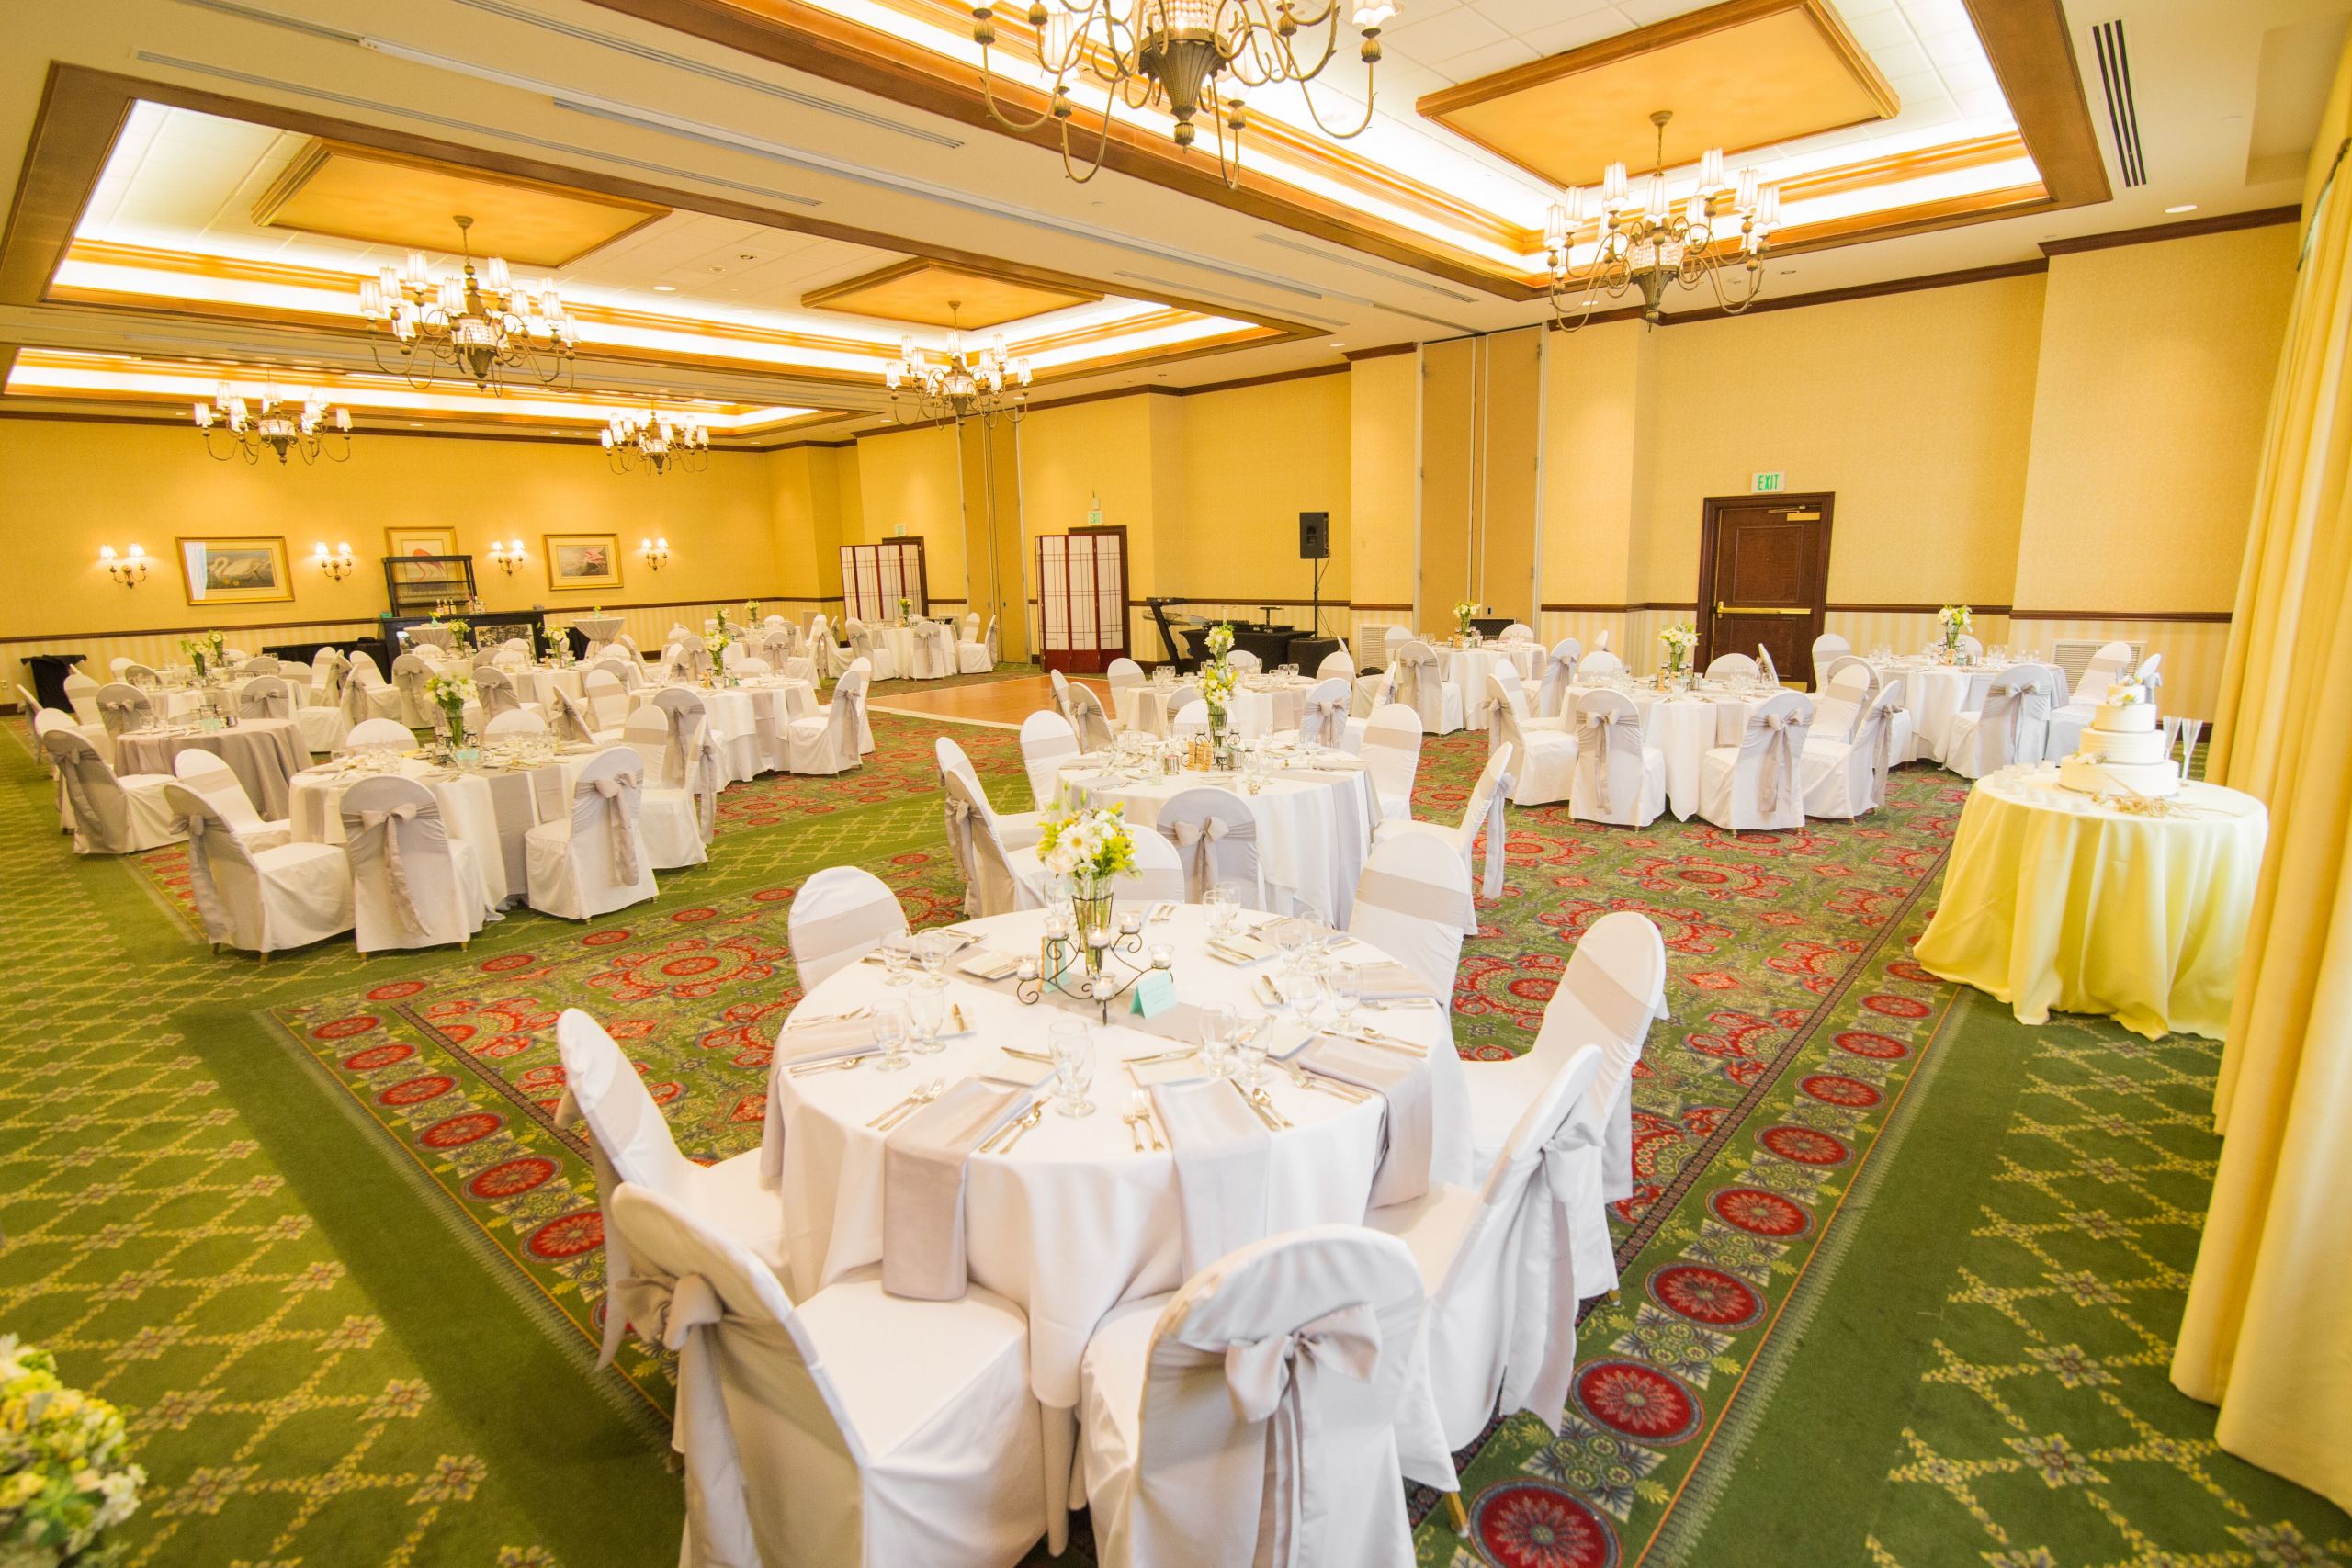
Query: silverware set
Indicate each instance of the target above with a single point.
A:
(834, 1065)
(909, 1106)
(812, 1021)
(1260, 1101)
(1001, 1142)
(1142, 1124)
(1355, 1094)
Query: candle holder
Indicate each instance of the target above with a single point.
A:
(1100, 967)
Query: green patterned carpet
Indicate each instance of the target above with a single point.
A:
(1899, 1278)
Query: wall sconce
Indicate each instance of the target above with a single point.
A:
(507, 558)
(337, 565)
(130, 570)
(656, 553)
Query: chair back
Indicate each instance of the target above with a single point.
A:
(1215, 836)
(1336, 666)
(606, 799)
(1610, 761)
(1048, 740)
(1061, 695)
(118, 664)
(1283, 1372)
(2015, 717)
(571, 725)
(1972, 646)
(989, 886)
(123, 707)
(409, 675)
(1086, 718)
(1413, 903)
(515, 722)
(405, 889)
(1504, 713)
(330, 673)
(682, 709)
(1487, 814)
(1826, 649)
(1518, 631)
(1770, 670)
(1600, 664)
(1843, 697)
(140, 675)
(1249, 663)
(1123, 673)
(995, 646)
(845, 717)
(1158, 875)
(1420, 682)
(82, 697)
(265, 696)
(2100, 672)
(1874, 734)
(1392, 640)
(1323, 717)
(839, 916)
(1723, 665)
(1392, 754)
(1769, 749)
(363, 667)
(101, 810)
(375, 734)
(205, 772)
(646, 731)
(222, 878)
(1559, 674)
(496, 690)
(607, 700)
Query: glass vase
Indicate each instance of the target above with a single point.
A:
(1220, 740)
(1090, 908)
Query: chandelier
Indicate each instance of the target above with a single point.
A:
(1650, 244)
(1168, 55)
(280, 426)
(480, 326)
(956, 384)
(657, 443)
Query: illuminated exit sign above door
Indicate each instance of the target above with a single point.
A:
(1765, 484)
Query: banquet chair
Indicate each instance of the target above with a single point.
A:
(1061, 684)
(593, 860)
(411, 884)
(516, 722)
(605, 700)
(864, 644)
(1392, 755)
(997, 880)
(1515, 693)
(82, 697)
(320, 723)
(839, 916)
(212, 778)
(864, 715)
(571, 725)
(976, 655)
(1518, 631)
(1323, 717)
(1610, 993)
(1559, 674)
(1547, 758)
(123, 707)
(1249, 663)
(1421, 686)
(1485, 815)
(738, 653)
(1621, 778)
(118, 664)
(2009, 729)
(44, 721)
(854, 1429)
(1846, 779)
(751, 667)
(1215, 836)
(827, 740)
(375, 699)
(738, 758)
(1600, 642)
(235, 655)
(375, 734)
(1191, 716)
(1757, 784)
(670, 812)
(143, 676)
(1902, 732)
(627, 667)
(258, 901)
(826, 656)
(410, 673)
(1295, 1365)
(1838, 709)
(629, 1141)
(1086, 718)
(1046, 742)
(1725, 665)
(1337, 665)
(112, 815)
(1373, 691)
(1502, 1326)
(1413, 903)
(1123, 673)
(2064, 737)
(496, 690)
(1014, 829)
(265, 696)
(1391, 639)
(1600, 664)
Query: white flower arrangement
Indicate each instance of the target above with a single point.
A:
(1086, 844)
(452, 690)
(717, 642)
(751, 612)
(1217, 683)
(64, 1479)
(1220, 640)
(205, 648)
(1955, 619)
(2126, 691)
(1679, 640)
(1462, 614)
(906, 608)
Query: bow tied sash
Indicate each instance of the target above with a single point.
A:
(684, 1315)
(676, 752)
(1496, 833)
(387, 823)
(218, 924)
(960, 817)
(1325, 722)
(1779, 758)
(1558, 676)
(1602, 748)
(1542, 1354)
(1272, 1380)
(614, 793)
(1196, 844)
(124, 713)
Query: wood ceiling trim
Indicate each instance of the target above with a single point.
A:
(2187, 228)
(2032, 51)
(831, 297)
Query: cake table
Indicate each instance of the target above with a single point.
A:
(2058, 900)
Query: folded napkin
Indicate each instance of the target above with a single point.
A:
(981, 964)
(1220, 1148)
(1180, 1024)
(825, 1041)
(922, 1187)
(1408, 1132)
(1391, 981)
(1240, 948)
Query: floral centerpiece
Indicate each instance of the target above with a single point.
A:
(905, 609)
(1090, 846)
(64, 1479)
(1955, 620)
(1219, 682)
(205, 648)
(1679, 641)
(1462, 614)
(750, 613)
(450, 692)
(717, 643)
(461, 633)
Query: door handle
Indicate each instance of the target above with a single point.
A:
(1723, 609)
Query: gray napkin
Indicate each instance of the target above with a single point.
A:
(1408, 1134)
(922, 1187)
(1391, 981)
(1220, 1149)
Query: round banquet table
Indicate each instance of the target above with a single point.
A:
(2055, 900)
(900, 641)
(265, 754)
(1937, 695)
(1314, 823)
(1685, 726)
(1072, 1220)
(1151, 709)
(598, 629)
(1261, 705)
(753, 716)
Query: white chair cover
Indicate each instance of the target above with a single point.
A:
(1215, 836)
(1518, 631)
(265, 696)
(517, 722)
(1840, 706)
(976, 655)
(1123, 672)
(2010, 728)
(259, 900)
(497, 690)
(828, 742)
(606, 699)
(1013, 830)
(1547, 758)
(669, 820)
(1486, 814)
(1845, 779)
(1827, 648)
(1619, 778)
(123, 707)
(1337, 666)
(1559, 674)
(1729, 664)
(1413, 903)
(1600, 664)
(1323, 717)
(1086, 718)
(1421, 686)
(417, 710)
(592, 862)
(109, 815)
(82, 697)
(992, 885)
(374, 734)
(1249, 663)
(1758, 784)
(411, 884)
(839, 916)
(140, 675)
(2064, 735)
(1048, 742)
(1392, 754)
(212, 778)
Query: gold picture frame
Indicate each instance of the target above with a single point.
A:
(234, 569)
(582, 562)
(420, 542)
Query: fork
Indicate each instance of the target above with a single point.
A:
(1021, 1128)
(909, 1106)
(1142, 1113)
(1306, 1079)
(838, 1065)
(1134, 1129)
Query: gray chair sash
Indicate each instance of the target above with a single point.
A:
(1780, 754)
(610, 799)
(124, 714)
(1270, 1381)
(1551, 698)
(1497, 832)
(1196, 844)
(1611, 730)
(101, 811)
(218, 924)
(1324, 723)
(277, 704)
(1541, 1355)
(1409, 896)
(569, 723)
(380, 835)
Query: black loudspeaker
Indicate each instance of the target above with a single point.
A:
(1313, 535)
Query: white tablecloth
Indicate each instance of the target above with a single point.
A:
(1685, 726)
(490, 809)
(1262, 706)
(1313, 828)
(900, 641)
(265, 753)
(737, 712)
(1153, 709)
(1937, 695)
(1073, 1222)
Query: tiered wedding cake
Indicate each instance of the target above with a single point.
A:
(2123, 751)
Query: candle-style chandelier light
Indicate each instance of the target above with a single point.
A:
(1656, 241)
(657, 443)
(926, 385)
(1169, 54)
(484, 326)
(308, 429)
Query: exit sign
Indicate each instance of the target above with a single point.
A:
(1765, 484)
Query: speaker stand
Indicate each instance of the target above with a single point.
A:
(1315, 626)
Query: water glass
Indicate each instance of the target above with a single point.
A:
(1346, 994)
(890, 1034)
(1219, 1023)
(932, 949)
(1219, 901)
(1250, 1052)
(897, 948)
(926, 1010)
(1073, 1052)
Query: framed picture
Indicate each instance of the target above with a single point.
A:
(420, 542)
(582, 560)
(249, 570)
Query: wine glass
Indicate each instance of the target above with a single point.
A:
(1072, 1047)
(1290, 936)
(927, 1010)
(897, 948)
(932, 949)
(1218, 1023)
(890, 1034)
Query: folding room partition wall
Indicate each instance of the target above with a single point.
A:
(1082, 599)
(876, 577)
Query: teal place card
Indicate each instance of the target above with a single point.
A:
(1155, 993)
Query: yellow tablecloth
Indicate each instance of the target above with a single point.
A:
(2053, 900)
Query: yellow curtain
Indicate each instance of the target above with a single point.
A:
(2267, 1334)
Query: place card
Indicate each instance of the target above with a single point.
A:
(1154, 993)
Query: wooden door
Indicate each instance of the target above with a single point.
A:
(1764, 578)
(1082, 599)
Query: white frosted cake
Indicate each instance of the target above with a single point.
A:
(2122, 752)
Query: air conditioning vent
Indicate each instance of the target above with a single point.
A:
(2122, 116)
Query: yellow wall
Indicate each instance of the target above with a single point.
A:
(1383, 454)
(913, 478)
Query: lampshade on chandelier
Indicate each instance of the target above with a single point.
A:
(310, 429)
(1657, 242)
(1168, 55)
(986, 381)
(481, 326)
(656, 444)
